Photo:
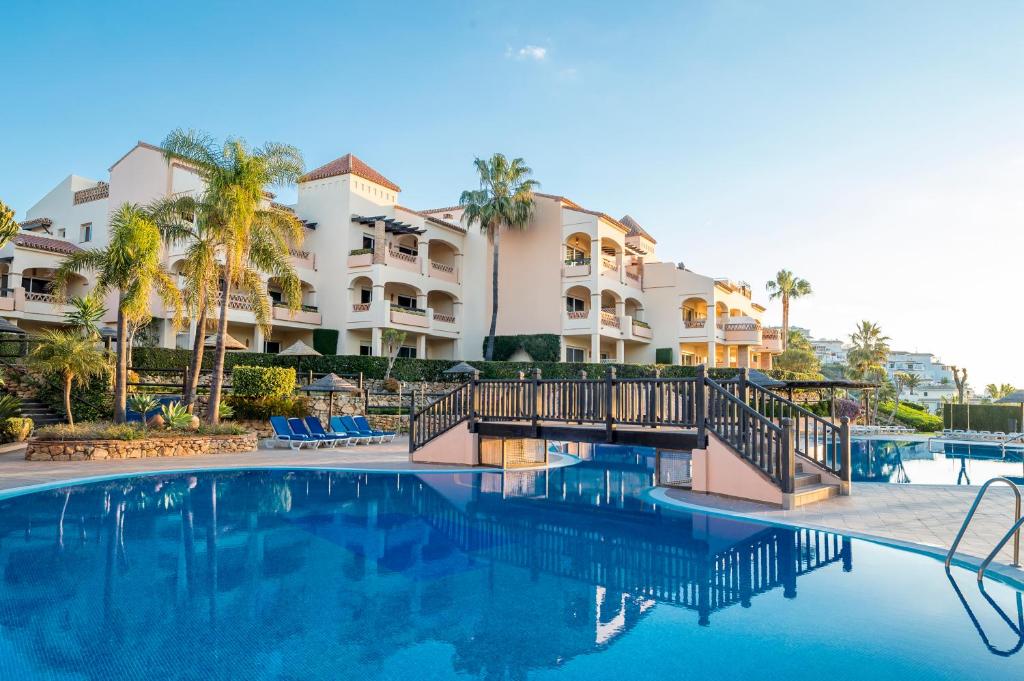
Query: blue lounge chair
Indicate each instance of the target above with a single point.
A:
(317, 430)
(339, 426)
(352, 427)
(298, 426)
(384, 435)
(283, 434)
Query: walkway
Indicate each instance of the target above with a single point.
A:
(927, 515)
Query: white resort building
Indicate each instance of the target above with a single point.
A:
(368, 264)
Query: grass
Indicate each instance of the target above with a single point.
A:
(105, 430)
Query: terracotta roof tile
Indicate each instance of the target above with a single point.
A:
(100, 191)
(37, 222)
(446, 209)
(349, 164)
(427, 215)
(42, 243)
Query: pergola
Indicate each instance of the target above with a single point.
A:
(391, 225)
(830, 385)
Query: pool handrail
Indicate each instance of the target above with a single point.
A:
(1014, 530)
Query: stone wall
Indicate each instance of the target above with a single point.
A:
(98, 450)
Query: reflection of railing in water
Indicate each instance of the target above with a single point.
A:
(1017, 628)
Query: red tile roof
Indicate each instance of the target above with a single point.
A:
(447, 209)
(349, 164)
(635, 229)
(100, 191)
(42, 243)
(427, 214)
(37, 222)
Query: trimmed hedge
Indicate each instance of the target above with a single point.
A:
(325, 341)
(914, 418)
(262, 381)
(543, 347)
(417, 369)
(1004, 418)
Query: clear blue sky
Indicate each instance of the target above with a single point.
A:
(874, 148)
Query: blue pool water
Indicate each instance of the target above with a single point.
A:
(934, 463)
(560, 574)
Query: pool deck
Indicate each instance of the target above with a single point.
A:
(917, 516)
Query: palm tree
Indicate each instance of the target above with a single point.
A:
(132, 265)
(912, 381)
(787, 287)
(70, 355)
(197, 224)
(85, 315)
(8, 225)
(867, 357)
(998, 392)
(504, 201)
(900, 380)
(256, 239)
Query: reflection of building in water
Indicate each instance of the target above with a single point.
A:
(270, 572)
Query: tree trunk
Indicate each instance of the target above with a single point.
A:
(785, 322)
(196, 363)
(489, 355)
(121, 369)
(67, 398)
(213, 407)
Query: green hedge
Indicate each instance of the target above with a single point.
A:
(259, 381)
(664, 356)
(542, 347)
(1004, 418)
(325, 341)
(914, 418)
(414, 369)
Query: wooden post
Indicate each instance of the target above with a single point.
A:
(536, 404)
(845, 457)
(519, 407)
(609, 404)
(472, 400)
(412, 423)
(701, 413)
(787, 464)
(580, 399)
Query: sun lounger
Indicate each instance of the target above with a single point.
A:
(283, 434)
(364, 425)
(298, 426)
(338, 426)
(352, 427)
(316, 429)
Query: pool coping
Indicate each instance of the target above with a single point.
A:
(1004, 574)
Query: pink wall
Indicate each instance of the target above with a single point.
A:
(530, 274)
(457, 446)
(718, 470)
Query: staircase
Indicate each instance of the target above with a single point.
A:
(40, 413)
(809, 488)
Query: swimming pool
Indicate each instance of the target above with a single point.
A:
(934, 462)
(567, 574)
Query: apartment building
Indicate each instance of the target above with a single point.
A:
(368, 264)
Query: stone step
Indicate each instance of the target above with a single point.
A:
(802, 479)
(812, 494)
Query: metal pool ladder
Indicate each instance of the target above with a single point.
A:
(1014, 531)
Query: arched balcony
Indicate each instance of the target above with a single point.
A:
(443, 260)
(611, 258)
(443, 306)
(577, 250)
(611, 308)
(634, 311)
(308, 311)
(577, 308)
(407, 303)
(695, 318)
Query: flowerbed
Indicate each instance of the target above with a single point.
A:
(101, 441)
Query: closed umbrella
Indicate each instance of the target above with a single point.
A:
(332, 383)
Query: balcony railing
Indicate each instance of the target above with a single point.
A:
(609, 319)
(610, 264)
(771, 334)
(442, 271)
(360, 307)
(578, 314)
(444, 318)
(34, 297)
(238, 301)
(695, 323)
(399, 255)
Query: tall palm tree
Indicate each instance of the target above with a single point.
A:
(912, 381)
(8, 225)
(504, 201)
(257, 238)
(787, 287)
(900, 380)
(132, 265)
(85, 314)
(997, 391)
(867, 357)
(70, 355)
(196, 223)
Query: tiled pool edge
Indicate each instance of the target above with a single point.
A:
(1002, 573)
(562, 461)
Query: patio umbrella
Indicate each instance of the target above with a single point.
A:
(332, 383)
(460, 368)
(759, 378)
(230, 342)
(7, 327)
(1016, 397)
(299, 349)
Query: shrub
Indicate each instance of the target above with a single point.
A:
(392, 385)
(663, 355)
(93, 401)
(914, 418)
(262, 408)
(360, 251)
(225, 411)
(176, 416)
(258, 381)
(10, 406)
(105, 430)
(542, 347)
(143, 403)
(325, 341)
(848, 408)
(15, 429)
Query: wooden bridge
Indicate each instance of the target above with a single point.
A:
(785, 443)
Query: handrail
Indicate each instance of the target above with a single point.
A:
(755, 437)
(1014, 530)
(439, 416)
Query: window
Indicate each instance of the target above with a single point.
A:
(574, 304)
(85, 233)
(575, 355)
(275, 296)
(407, 352)
(272, 347)
(181, 341)
(405, 301)
(365, 295)
(408, 250)
(33, 285)
(365, 350)
(61, 233)
(368, 241)
(573, 254)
